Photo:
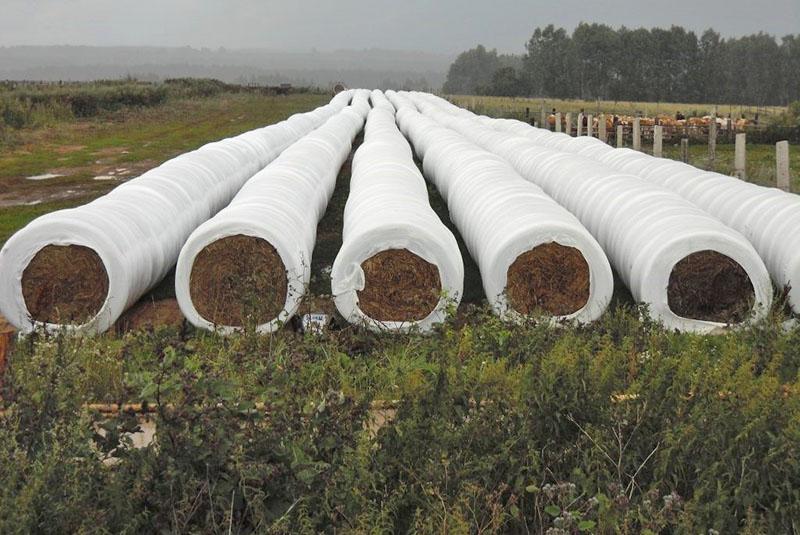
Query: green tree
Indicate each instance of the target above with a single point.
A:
(472, 70)
(506, 83)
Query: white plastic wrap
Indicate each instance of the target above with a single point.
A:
(645, 229)
(138, 229)
(768, 217)
(499, 214)
(281, 204)
(388, 209)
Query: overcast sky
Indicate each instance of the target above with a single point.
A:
(435, 25)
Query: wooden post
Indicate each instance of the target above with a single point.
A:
(637, 134)
(6, 339)
(568, 124)
(620, 136)
(601, 129)
(740, 157)
(712, 143)
(658, 141)
(685, 149)
(558, 122)
(543, 119)
(590, 125)
(580, 125)
(782, 160)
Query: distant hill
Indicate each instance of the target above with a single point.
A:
(364, 68)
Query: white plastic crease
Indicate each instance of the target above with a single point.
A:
(281, 204)
(645, 229)
(768, 217)
(498, 213)
(388, 208)
(138, 229)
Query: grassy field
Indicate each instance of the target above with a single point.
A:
(481, 427)
(132, 140)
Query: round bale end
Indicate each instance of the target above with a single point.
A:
(550, 278)
(399, 286)
(710, 286)
(237, 281)
(65, 284)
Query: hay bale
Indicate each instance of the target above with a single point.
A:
(65, 284)
(399, 286)
(549, 278)
(710, 286)
(238, 280)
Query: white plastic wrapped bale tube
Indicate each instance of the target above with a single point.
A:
(693, 272)
(535, 258)
(767, 217)
(250, 265)
(81, 268)
(399, 267)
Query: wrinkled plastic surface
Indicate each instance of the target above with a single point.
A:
(388, 209)
(281, 204)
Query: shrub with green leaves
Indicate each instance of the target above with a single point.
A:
(617, 427)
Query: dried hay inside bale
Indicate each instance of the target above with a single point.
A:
(550, 277)
(238, 280)
(65, 284)
(710, 286)
(399, 286)
(151, 315)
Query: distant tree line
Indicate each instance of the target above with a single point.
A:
(674, 65)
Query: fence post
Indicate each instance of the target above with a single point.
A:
(620, 136)
(543, 119)
(568, 124)
(712, 143)
(740, 157)
(685, 149)
(782, 160)
(580, 125)
(558, 122)
(637, 134)
(601, 129)
(590, 125)
(658, 141)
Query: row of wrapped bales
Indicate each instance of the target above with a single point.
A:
(81, 268)
(533, 255)
(250, 265)
(767, 217)
(693, 272)
(399, 266)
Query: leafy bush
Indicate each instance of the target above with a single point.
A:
(618, 427)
